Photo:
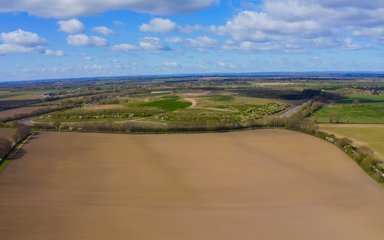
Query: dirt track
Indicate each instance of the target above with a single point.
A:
(264, 184)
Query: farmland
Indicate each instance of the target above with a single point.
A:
(7, 133)
(168, 109)
(356, 108)
(362, 134)
(247, 184)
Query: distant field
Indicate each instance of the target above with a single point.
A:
(356, 108)
(19, 95)
(22, 110)
(249, 185)
(171, 108)
(350, 114)
(167, 104)
(362, 134)
(363, 99)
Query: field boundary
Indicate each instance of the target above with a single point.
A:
(14, 151)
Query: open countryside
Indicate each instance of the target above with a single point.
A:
(246, 184)
(191, 120)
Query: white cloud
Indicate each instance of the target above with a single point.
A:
(152, 43)
(348, 44)
(124, 47)
(337, 11)
(202, 42)
(324, 42)
(82, 40)
(10, 48)
(375, 32)
(171, 64)
(21, 41)
(57, 53)
(190, 28)
(71, 26)
(103, 30)
(22, 38)
(174, 40)
(72, 8)
(259, 26)
(297, 24)
(227, 65)
(118, 23)
(158, 25)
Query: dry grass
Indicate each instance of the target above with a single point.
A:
(264, 184)
(104, 107)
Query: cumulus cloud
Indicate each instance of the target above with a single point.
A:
(191, 28)
(174, 40)
(21, 41)
(124, 47)
(287, 25)
(72, 8)
(158, 25)
(255, 26)
(202, 42)
(22, 38)
(82, 40)
(10, 48)
(71, 26)
(375, 32)
(152, 43)
(103, 30)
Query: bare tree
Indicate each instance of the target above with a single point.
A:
(5, 147)
(21, 132)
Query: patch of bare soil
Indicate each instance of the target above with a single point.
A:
(263, 184)
(22, 110)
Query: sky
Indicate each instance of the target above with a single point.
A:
(45, 39)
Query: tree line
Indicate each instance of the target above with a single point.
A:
(6, 145)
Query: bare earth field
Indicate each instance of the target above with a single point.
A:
(7, 133)
(22, 110)
(263, 184)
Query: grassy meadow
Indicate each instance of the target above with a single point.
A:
(355, 109)
(171, 108)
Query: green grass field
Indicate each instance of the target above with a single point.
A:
(362, 134)
(167, 105)
(171, 108)
(356, 108)
(363, 99)
(372, 114)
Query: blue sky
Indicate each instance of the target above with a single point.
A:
(71, 38)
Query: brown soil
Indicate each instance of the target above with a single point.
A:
(263, 184)
(22, 110)
(7, 133)
(7, 104)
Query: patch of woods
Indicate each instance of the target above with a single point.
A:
(7, 145)
(287, 94)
